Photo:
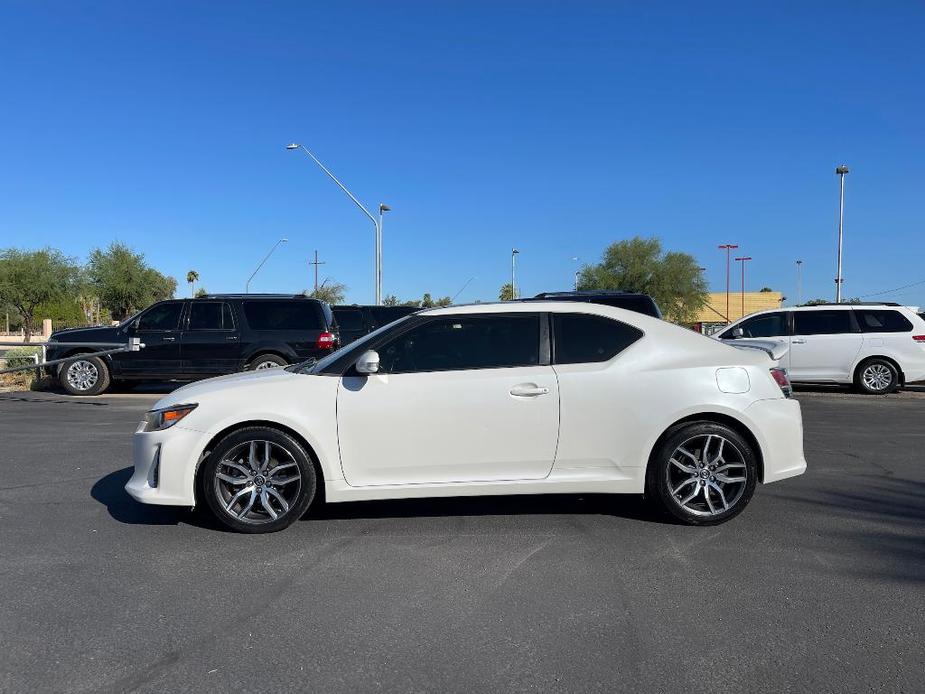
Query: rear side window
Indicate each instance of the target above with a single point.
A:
(161, 317)
(581, 338)
(464, 342)
(282, 315)
(882, 321)
(349, 319)
(210, 315)
(822, 322)
(769, 325)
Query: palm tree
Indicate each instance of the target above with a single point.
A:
(191, 278)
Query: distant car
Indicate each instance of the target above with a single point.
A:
(189, 339)
(640, 303)
(353, 321)
(877, 347)
(512, 398)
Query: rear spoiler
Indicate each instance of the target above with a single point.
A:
(776, 349)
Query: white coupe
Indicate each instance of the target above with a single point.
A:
(513, 398)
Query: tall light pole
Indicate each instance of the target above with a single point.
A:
(577, 271)
(247, 286)
(727, 247)
(514, 254)
(799, 282)
(377, 223)
(743, 260)
(842, 171)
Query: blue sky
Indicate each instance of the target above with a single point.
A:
(553, 127)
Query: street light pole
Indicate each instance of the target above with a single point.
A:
(842, 171)
(577, 272)
(247, 286)
(728, 247)
(377, 223)
(514, 253)
(743, 260)
(799, 282)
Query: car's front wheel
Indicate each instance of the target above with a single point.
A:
(84, 376)
(258, 480)
(703, 473)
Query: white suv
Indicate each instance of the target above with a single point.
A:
(878, 347)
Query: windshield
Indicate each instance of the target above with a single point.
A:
(311, 366)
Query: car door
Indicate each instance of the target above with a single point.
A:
(159, 330)
(763, 327)
(459, 398)
(211, 341)
(824, 345)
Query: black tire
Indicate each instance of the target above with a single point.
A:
(876, 376)
(264, 361)
(84, 376)
(261, 493)
(713, 478)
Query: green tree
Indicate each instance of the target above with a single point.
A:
(673, 279)
(506, 293)
(333, 293)
(201, 292)
(390, 300)
(427, 301)
(444, 301)
(31, 278)
(765, 289)
(192, 277)
(124, 282)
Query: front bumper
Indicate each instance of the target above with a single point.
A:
(165, 466)
(778, 426)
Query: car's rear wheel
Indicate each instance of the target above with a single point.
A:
(84, 376)
(703, 473)
(266, 361)
(258, 480)
(876, 377)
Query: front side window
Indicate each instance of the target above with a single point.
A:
(581, 338)
(464, 342)
(767, 325)
(822, 322)
(882, 321)
(161, 317)
(282, 315)
(211, 315)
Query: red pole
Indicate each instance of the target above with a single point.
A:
(728, 247)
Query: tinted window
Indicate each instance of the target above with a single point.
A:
(768, 325)
(383, 315)
(161, 317)
(880, 321)
(282, 315)
(821, 322)
(583, 338)
(349, 319)
(464, 342)
(212, 315)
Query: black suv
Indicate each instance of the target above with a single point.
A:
(355, 321)
(640, 303)
(189, 339)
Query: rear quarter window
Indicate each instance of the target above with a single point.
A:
(282, 315)
(582, 338)
(882, 321)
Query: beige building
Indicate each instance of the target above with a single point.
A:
(713, 316)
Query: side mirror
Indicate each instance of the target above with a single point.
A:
(737, 332)
(368, 363)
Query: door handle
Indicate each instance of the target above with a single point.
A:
(798, 342)
(528, 390)
(170, 339)
(231, 337)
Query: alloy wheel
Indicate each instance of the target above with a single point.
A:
(257, 481)
(82, 375)
(707, 475)
(266, 365)
(877, 377)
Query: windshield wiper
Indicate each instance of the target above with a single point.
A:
(302, 366)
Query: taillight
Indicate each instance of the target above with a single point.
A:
(919, 338)
(780, 377)
(326, 340)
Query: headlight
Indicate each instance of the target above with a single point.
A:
(158, 420)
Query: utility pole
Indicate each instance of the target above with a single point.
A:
(743, 260)
(799, 282)
(842, 171)
(728, 247)
(514, 254)
(316, 263)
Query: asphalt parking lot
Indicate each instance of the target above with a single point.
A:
(819, 586)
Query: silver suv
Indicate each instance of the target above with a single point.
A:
(877, 347)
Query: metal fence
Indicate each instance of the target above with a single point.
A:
(133, 345)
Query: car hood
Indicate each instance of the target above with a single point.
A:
(98, 334)
(215, 387)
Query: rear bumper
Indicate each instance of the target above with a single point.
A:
(779, 430)
(165, 466)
